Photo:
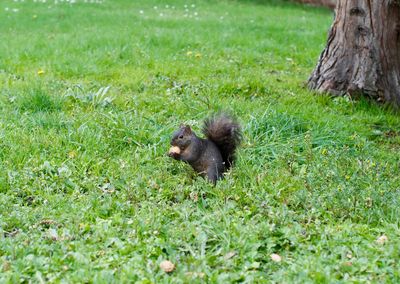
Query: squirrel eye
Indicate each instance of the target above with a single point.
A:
(180, 137)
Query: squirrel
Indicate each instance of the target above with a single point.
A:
(215, 154)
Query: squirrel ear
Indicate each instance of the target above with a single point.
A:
(187, 129)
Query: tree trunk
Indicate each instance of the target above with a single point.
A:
(362, 55)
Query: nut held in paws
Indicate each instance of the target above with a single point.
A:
(174, 150)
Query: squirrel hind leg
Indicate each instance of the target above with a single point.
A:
(213, 175)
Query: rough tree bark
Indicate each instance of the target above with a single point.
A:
(362, 54)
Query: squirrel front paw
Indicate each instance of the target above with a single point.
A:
(174, 152)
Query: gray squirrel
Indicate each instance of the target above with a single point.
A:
(213, 155)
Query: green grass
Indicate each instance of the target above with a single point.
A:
(90, 95)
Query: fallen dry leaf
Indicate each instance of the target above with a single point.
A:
(229, 255)
(276, 257)
(382, 240)
(195, 274)
(6, 266)
(11, 234)
(167, 266)
(194, 196)
(47, 222)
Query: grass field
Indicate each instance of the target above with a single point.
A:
(90, 95)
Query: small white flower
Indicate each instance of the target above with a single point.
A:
(64, 171)
(141, 12)
(155, 7)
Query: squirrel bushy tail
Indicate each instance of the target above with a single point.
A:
(224, 131)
